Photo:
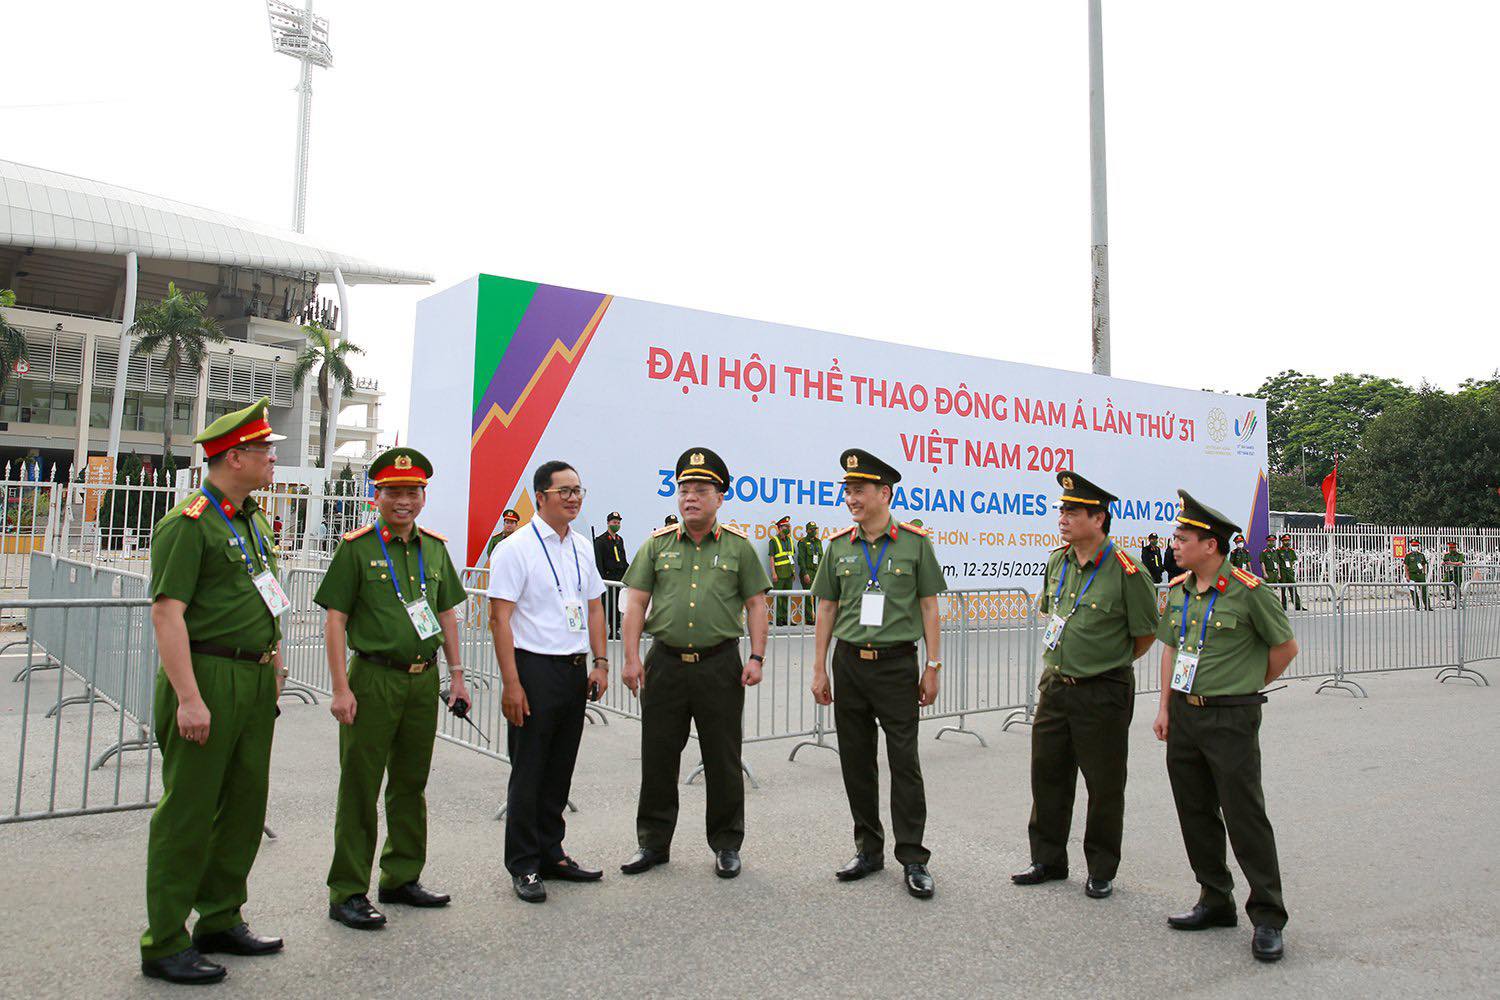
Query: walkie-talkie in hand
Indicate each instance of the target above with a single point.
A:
(460, 708)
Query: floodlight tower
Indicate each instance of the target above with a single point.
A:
(298, 34)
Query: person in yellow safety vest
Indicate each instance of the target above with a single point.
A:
(783, 567)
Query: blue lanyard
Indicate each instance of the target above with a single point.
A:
(576, 568)
(395, 577)
(1202, 635)
(1087, 584)
(875, 565)
(254, 536)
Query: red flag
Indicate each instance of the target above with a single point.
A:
(1330, 495)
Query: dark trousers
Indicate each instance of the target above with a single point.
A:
(542, 755)
(612, 610)
(784, 604)
(883, 692)
(1213, 761)
(1080, 727)
(1420, 595)
(1296, 597)
(707, 694)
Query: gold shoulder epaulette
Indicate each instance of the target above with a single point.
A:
(1126, 561)
(1178, 579)
(350, 536)
(663, 530)
(1246, 577)
(429, 531)
(841, 533)
(196, 507)
(914, 529)
(735, 531)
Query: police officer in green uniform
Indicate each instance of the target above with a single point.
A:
(1270, 564)
(783, 567)
(1100, 608)
(216, 604)
(1225, 639)
(1288, 557)
(1453, 564)
(1239, 556)
(509, 521)
(390, 594)
(702, 579)
(877, 594)
(1416, 572)
(809, 555)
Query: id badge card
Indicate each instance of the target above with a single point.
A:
(573, 611)
(872, 608)
(271, 593)
(1053, 635)
(1184, 671)
(422, 618)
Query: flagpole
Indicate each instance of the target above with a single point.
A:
(1099, 208)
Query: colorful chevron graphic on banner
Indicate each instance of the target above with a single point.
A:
(528, 341)
(1260, 523)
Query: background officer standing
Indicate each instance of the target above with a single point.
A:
(1226, 638)
(390, 595)
(216, 605)
(1453, 571)
(1288, 557)
(783, 567)
(1101, 612)
(877, 593)
(609, 556)
(1270, 564)
(702, 579)
(809, 555)
(1416, 572)
(509, 521)
(1239, 556)
(1151, 558)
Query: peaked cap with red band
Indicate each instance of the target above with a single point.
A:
(400, 467)
(252, 425)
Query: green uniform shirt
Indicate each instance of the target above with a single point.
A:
(1240, 557)
(1416, 566)
(194, 559)
(1453, 560)
(1117, 606)
(1288, 563)
(358, 583)
(809, 556)
(698, 589)
(783, 565)
(1270, 565)
(908, 572)
(1246, 622)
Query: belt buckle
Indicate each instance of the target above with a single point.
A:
(869, 654)
(1070, 681)
(1196, 700)
(416, 668)
(265, 657)
(690, 657)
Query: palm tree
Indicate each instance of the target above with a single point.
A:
(180, 326)
(12, 342)
(332, 362)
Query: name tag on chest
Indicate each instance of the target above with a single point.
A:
(271, 593)
(573, 612)
(422, 618)
(1184, 671)
(872, 608)
(1053, 635)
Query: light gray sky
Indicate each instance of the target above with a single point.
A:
(1294, 183)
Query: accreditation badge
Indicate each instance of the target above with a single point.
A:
(872, 608)
(422, 618)
(271, 593)
(573, 612)
(1053, 634)
(1183, 672)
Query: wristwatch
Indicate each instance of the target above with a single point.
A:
(934, 664)
(757, 656)
(600, 659)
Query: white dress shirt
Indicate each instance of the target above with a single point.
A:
(520, 573)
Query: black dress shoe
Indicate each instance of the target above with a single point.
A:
(1039, 873)
(1098, 888)
(239, 940)
(858, 867)
(568, 870)
(414, 894)
(1201, 917)
(529, 888)
(187, 966)
(918, 882)
(1266, 945)
(357, 912)
(644, 860)
(727, 863)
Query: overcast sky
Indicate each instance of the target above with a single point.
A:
(1305, 184)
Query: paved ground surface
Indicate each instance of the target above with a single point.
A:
(1385, 810)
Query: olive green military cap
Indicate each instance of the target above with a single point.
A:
(862, 467)
(1199, 515)
(703, 465)
(1078, 490)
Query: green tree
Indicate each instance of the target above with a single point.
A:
(178, 326)
(12, 341)
(332, 362)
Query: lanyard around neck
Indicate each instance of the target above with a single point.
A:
(421, 563)
(875, 563)
(259, 541)
(576, 568)
(1203, 633)
(1098, 561)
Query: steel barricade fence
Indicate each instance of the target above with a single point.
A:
(1384, 629)
(1318, 629)
(1479, 638)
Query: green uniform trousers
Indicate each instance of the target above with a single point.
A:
(395, 723)
(784, 604)
(206, 830)
(1451, 579)
(1083, 726)
(885, 692)
(707, 694)
(1291, 592)
(1213, 761)
(1420, 595)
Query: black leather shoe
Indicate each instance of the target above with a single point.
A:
(414, 894)
(644, 860)
(357, 912)
(187, 966)
(858, 867)
(568, 870)
(1266, 945)
(918, 882)
(1098, 888)
(1201, 917)
(529, 888)
(727, 863)
(240, 940)
(1039, 873)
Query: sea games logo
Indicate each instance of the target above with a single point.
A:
(1217, 425)
(1244, 432)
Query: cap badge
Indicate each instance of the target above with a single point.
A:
(403, 462)
(852, 462)
(696, 458)
(1067, 482)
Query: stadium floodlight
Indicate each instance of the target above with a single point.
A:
(297, 33)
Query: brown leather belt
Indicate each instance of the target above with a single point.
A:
(1222, 700)
(694, 655)
(231, 653)
(386, 661)
(1108, 675)
(870, 652)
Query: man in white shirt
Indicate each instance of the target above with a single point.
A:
(545, 616)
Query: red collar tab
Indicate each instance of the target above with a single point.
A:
(227, 508)
(1221, 585)
(385, 534)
